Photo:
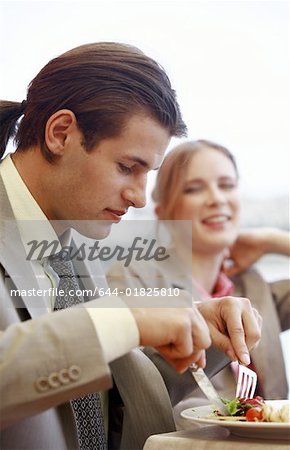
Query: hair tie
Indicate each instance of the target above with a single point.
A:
(23, 105)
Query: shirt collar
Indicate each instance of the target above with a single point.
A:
(32, 223)
(223, 287)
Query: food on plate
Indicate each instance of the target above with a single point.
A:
(253, 410)
(271, 414)
(239, 406)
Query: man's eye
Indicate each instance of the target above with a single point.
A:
(125, 169)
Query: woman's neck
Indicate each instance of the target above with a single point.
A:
(205, 270)
(205, 267)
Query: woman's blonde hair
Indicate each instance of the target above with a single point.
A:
(171, 175)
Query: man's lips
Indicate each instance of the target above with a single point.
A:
(116, 213)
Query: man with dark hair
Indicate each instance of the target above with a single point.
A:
(95, 121)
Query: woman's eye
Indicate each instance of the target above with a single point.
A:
(227, 186)
(192, 189)
(125, 169)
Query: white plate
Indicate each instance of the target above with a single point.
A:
(264, 430)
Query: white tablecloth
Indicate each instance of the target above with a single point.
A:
(210, 438)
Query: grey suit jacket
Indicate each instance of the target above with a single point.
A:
(44, 364)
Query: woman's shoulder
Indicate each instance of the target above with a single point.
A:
(252, 280)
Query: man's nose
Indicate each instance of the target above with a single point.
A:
(136, 195)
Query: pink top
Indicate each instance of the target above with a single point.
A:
(223, 288)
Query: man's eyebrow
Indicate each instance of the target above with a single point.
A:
(142, 162)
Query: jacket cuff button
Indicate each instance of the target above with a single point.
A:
(74, 372)
(41, 384)
(63, 376)
(53, 380)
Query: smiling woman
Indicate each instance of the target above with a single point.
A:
(199, 181)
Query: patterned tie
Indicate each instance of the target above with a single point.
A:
(87, 410)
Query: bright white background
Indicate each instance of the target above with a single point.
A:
(228, 61)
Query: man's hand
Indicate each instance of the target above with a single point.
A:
(235, 327)
(179, 334)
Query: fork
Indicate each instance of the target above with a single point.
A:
(247, 382)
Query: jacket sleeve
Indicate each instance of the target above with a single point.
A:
(44, 362)
(134, 276)
(281, 297)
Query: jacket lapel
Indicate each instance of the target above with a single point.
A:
(18, 270)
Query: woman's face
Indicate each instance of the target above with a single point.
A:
(210, 199)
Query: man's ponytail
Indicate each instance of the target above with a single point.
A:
(10, 112)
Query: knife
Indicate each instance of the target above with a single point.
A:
(207, 388)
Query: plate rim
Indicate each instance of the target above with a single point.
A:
(237, 424)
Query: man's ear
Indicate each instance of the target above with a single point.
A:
(58, 127)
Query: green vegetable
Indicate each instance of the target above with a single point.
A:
(234, 407)
(239, 406)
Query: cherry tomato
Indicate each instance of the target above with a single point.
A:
(254, 414)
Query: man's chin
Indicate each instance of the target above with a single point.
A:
(96, 229)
